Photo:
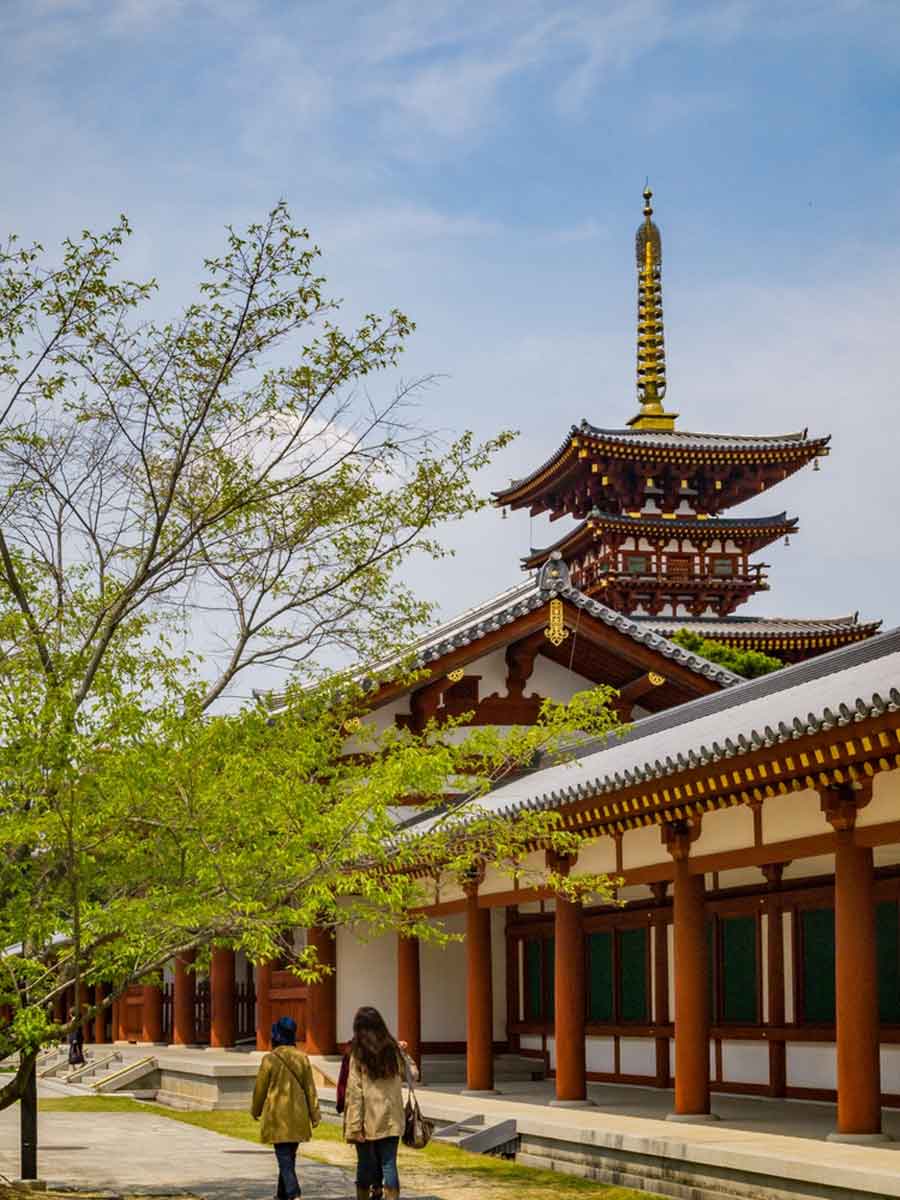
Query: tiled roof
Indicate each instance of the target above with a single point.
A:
(475, 623)
(835, 689)
(742, 626)
(780, 523)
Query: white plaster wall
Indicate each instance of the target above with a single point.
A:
(808, 868)
(530, 1041)
(450, 889)
(642, 847)
(496, 881)
(798, 814)
(787, 934)
(890, 1069)
(550, 905)
(811, 1065)
(443, 979)
(741, 877)
(550, 679)
(632, 894)
(492, 669)
(745, 1062)
(366, 974)
(380, 719)
(600, 1054)
(498, 971)
(670, 937)
(887, 856)
(637, 1056)
(885, 803)
(531, 906)
(598, 857)
(727, 829)
(551, 1050)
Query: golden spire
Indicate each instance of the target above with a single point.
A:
(651, 350)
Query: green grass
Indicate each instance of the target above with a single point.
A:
(500, 1175)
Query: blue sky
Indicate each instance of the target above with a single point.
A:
(480, 166)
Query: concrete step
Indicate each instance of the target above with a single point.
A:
(480, 1136)
(126, 1076)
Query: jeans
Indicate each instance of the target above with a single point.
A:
(286, 1156)
(376, 1162)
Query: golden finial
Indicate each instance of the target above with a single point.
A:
(651, 351)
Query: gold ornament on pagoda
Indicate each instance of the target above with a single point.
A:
(456, 676)
(651, 353)
(556, 632)
(656, 680)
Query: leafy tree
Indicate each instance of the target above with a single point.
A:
(749, 663)
(224, 475)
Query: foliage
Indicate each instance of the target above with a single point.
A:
(748, 663)
(223, 475)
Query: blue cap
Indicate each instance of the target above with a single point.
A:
(284, 1032)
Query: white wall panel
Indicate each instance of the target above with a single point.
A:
(443, 975)
(600, 1054)
(745, 1062)
(551, 1051)
(811, 1065)
(637, 1056)
(885, 803)
(597, 857)
(550, 679)
(366, 974)
(642, 847)
(798, 814)
(727, 829)
(530, 1041)
(890, 1069)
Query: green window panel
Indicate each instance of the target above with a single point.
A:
(740, 989)
(886, 937)
(534, 984)
(817, 964)
(600, 977)
(633, 983)
(549, 967)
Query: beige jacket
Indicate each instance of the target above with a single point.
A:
(285, 1096)
(374, 1108)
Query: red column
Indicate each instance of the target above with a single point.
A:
(856, 993)
(691, 996)
(59, 1009)
(569, 992)
(116, 1020)
(99, 1015)
(661, 1016)
(321, 1001)
(479, 996)
(221, 996)
(409, 997)
(264, 1006)
(184, 995)
(151, 1008)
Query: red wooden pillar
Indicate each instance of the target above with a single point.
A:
(221, 996)
(691, 994)
(479, 995)
(569, 995)
(151, 1013)
(264, 1006)
(184, 995)
(856, 994)
(409, 997)
(59, 1008)
(661, 1015)
(100, 1014)
(321, 1002)
(116, 1030)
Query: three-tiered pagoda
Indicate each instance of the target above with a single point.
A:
(652, 541)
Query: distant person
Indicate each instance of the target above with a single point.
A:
(376, 1066)
(75, 1038)
(285, 1097)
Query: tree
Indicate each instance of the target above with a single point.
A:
(224, 474)
(749, 663)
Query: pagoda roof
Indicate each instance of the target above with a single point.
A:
(788, 638)
(661, 447)
(849, 685)
(733, 527)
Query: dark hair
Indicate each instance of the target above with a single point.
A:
(374, 1047)
(284, 1032)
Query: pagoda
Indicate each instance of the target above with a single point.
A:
(652, 541)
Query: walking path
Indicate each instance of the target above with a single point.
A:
(144, 1152)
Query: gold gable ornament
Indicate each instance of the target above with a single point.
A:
(556, 632)
(456, 676)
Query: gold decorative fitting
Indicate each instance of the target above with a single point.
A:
(556, 632)
(352, 724)
(456, 676)
(651, 355)
(656, 680)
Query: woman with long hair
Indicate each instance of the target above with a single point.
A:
(376, 1068)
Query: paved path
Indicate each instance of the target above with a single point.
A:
(143, 1152)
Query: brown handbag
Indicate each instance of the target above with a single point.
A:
(417, 1130)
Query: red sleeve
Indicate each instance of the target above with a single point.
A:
(342, 1083)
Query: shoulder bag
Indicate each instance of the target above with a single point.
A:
(418, 1130)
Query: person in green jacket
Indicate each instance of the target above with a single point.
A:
(285, 1097)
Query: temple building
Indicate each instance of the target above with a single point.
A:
(753, 826)
(652, 541)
